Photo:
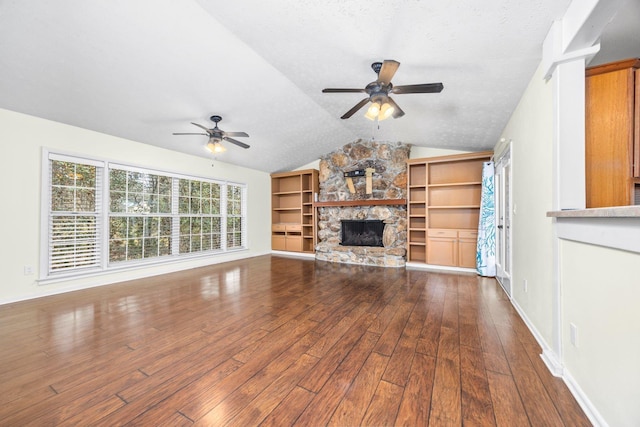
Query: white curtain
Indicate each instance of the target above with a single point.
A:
(486, 253)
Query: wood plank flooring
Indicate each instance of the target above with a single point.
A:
(277, 341)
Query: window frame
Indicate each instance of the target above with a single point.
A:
(104, 215)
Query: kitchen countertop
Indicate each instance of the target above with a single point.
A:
(612, 212)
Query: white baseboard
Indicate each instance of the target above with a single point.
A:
(294, 254)
(553, 364)
(548, 355)
(442, 268)
(584, 402)
(557, 369)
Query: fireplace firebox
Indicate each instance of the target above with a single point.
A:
(361, 232)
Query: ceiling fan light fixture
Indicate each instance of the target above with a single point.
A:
(215, 146)
(373, 111)
(386, 111)
(376, 111)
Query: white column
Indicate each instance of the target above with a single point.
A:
(569, 132)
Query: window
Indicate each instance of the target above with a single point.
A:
(199, 207)
(74, 215)
(139, 215)
(235, 216)
(135, 217)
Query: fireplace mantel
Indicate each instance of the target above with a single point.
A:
(367, 202)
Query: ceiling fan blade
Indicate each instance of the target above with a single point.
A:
(238, 143)
(189, 133)
(355, 108)
(397, 111)
(389, 68)
(342, 90)
(420, 88)
(236, 134)
(200, 126)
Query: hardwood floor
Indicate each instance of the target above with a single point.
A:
(276, 341)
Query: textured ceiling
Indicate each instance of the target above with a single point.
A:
(143, 69)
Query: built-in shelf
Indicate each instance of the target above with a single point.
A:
(454, 184)
(456, 207)
(368, 202)
(280, 193)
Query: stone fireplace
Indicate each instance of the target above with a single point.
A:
(382, 199)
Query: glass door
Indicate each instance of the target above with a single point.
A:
(503, 221)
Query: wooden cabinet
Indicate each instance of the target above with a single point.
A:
(456, 248)
(444, 208)
(612, 134)
(293, 218)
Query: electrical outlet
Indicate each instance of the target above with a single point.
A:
(28, 270)
(573, 334)
(525, 285)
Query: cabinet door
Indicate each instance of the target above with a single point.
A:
(636, 130)
(609, 138)
(442, 251)
(278, 242)
(294, 243)
(467, 253)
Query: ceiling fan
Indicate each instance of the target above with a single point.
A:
(382, 106)
(217, 135)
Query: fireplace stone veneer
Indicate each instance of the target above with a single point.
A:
(388, 182)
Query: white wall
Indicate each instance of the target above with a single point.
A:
(23, 138)
(601, 296)
(418, 152)
(530, 130)
(313, 165)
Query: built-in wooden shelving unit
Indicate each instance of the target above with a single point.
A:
(443, 208)
(293, 216)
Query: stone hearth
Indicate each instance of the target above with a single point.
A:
(389, 181)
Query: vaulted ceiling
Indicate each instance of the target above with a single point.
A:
(144, 69)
